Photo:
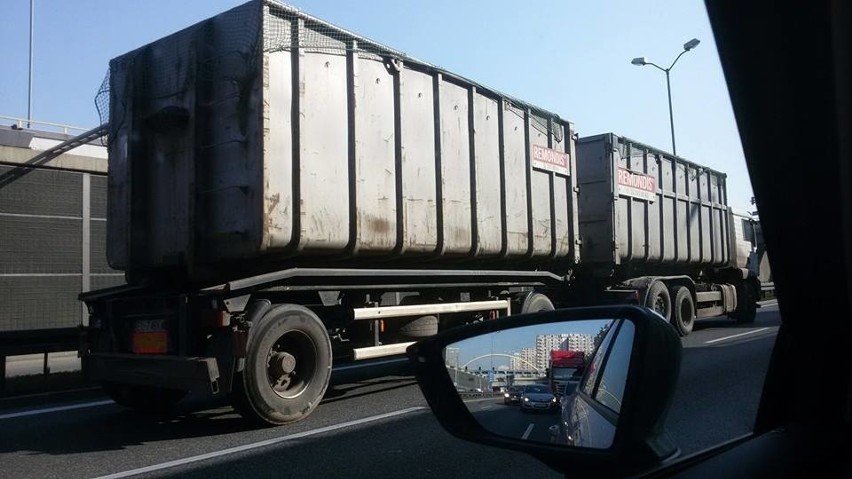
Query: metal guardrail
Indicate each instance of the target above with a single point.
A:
(18, 343)
(470, 394)
(767, 291)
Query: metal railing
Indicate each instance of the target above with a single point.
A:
(17, 343)
(472, 394)
(21, 124)
(767, 291)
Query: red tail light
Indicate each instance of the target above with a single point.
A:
(150, 336)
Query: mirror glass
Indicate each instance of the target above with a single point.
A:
(556, 383)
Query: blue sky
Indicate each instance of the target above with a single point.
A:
(569, 57)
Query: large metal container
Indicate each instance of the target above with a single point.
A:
(264, 137)
(650, 211)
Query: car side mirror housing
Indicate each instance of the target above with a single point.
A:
(612, 420)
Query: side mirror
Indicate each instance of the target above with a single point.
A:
(609, 421)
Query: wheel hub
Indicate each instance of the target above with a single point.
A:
(281, 363)
(281, 367)
(288, 364)
(660, 306)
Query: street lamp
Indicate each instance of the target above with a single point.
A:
(30, 77)
(642, 61)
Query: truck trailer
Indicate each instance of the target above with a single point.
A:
(287, 197)
(659, 227)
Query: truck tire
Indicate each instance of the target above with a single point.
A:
(287, 367)
(683, 311)
(421, 327)
(747, 296)
(147, 399)
(536, 303)
(659, 300)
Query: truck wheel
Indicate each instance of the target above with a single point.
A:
(421, 327)
(147, 399)
(535, 303)
(287, 368)
(660, 300)
(747, 297)
(684, 310)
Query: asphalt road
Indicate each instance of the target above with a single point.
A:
(512, 421)
(377, 427)
(721, 380)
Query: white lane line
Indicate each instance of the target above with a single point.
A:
(255, 445)
(528, 431)
(735, 336)
(367, 365)
(36, 412)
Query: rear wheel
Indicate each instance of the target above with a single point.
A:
(684, 310)
(536, 303)
(660, 300)
(287, 368)
(146, 399)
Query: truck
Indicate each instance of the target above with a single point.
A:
(287, 198)
(565, 369)
(659, 228)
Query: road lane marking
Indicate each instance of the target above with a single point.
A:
(528, 431)
(481, 400)
(367, 365)
(49, 410)
(735, 336)
(255, 445)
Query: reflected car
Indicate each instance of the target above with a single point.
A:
(538, 397)
(589, 415)
(513, 395)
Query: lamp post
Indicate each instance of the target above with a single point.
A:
(642, 61)
(30, 76)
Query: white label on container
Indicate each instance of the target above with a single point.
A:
(550, 160)
(637, 185)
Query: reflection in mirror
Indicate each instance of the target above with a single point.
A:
(556, 383)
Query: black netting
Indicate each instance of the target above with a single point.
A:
(102, 103)
(226, 50)
(316, 36)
